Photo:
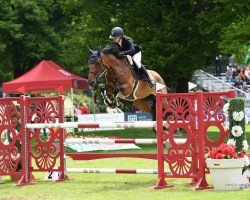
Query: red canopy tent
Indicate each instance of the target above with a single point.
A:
(46, 76)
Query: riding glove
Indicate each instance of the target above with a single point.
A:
(120, 55)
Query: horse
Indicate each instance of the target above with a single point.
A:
(120, 81)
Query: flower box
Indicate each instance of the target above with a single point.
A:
(226, 173)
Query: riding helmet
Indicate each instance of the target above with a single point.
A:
(115, 32)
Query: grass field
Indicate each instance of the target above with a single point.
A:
(116, 186)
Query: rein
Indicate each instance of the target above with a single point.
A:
(96, 73)
(114, 74)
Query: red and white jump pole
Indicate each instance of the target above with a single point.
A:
(114, 171)
(127, 124)
(118, 141)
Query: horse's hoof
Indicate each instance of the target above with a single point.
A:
(118, 104)
(121, 105)
(115, 91)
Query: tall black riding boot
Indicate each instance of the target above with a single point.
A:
(144, 73)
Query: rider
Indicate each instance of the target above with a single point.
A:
(129, 48)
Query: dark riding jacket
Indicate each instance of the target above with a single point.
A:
(128, 47)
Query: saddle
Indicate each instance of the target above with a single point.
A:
(134, 70)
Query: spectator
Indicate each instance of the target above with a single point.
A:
(218, 65)
(229, 74)
(84, 109)
(239, 84)
(242, 75)
(247, 74)
(77, 111)
(235, 70)
(231, 61)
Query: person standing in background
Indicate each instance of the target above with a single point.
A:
(218, 65)
(231, 61)
(77, 111)
(84, 109)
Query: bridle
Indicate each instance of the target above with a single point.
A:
(94, 60)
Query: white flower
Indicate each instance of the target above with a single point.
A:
(226, 107)
(247, 161)
(231, 141)
(238, 116)
(236, 131)
(245, 145)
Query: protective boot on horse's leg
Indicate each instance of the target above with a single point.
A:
(106, 99)
(142, 70)
(116, 90)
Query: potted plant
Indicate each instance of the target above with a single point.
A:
(225, 166)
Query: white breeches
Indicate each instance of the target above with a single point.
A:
(137, 59)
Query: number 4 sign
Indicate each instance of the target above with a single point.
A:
(51, 176)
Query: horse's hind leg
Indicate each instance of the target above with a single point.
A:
(147, 104)
(152, 104)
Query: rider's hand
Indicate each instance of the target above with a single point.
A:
(120, 55)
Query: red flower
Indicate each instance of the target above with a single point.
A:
(212, 154)
(226, 151)
(219, 156)
(241, 154)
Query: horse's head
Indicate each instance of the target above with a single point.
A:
(95, 67)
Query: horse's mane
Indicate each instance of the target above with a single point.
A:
(113, 48)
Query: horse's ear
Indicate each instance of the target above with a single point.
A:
(99, 51)
(90, 51)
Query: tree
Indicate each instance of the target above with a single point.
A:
(235, 37)
(9, 32)
(39, 38)
(177, 36)
(89, 27)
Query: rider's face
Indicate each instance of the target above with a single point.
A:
(116, 39)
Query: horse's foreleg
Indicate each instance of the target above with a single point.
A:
(106, 99)
(116, 90)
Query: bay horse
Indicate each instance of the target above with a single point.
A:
(120, 81)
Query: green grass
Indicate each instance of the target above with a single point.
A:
(116, 186)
